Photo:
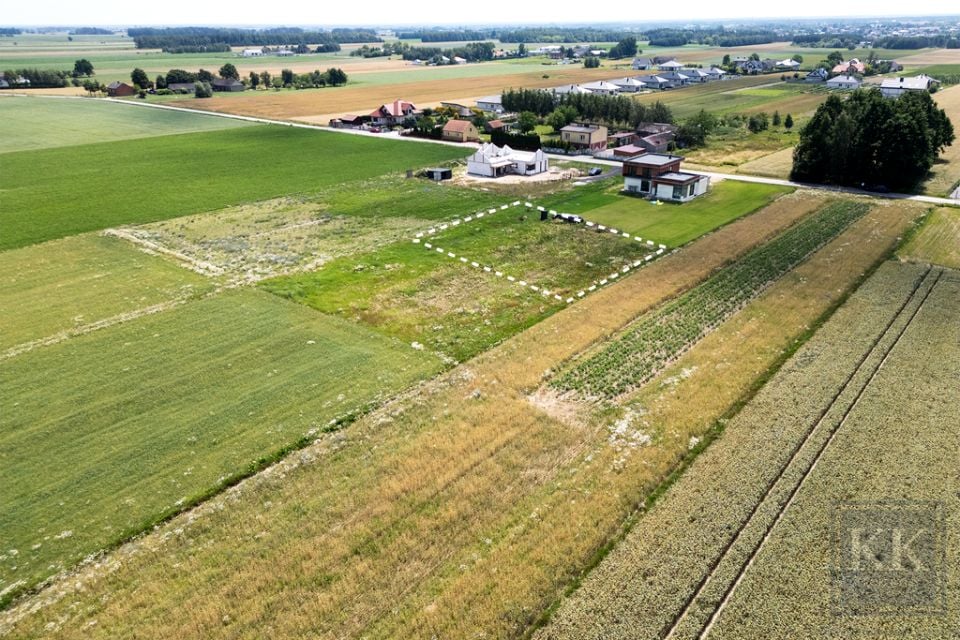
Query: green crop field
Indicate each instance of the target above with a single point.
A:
(66, 284)
(39, 123)
(418, 294)
(152, 414)
(670, 224)
(51, 193)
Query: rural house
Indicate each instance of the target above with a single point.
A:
(716, 73)
(392, 114)
(490, 104)
(676, 79)
(850, 67)
(460, 131)
(658, 176)
(460, 110)
(656, 82)
(642, 64)
(670, 65)
(657, 142)
(817, 75)
(119, 89)
(628, 85)
(896, 87)
(252, 53)
(585, 137)
(843, 82)
(568, 89)
(227, 84)
(492, 161)
(696, 75)
(602, 87)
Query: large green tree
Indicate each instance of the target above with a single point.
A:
(140, 78)
(229, 71)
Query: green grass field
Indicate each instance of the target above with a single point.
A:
(105, 433)
(670, 224)
(63, 284)
(51, 193)
(41, 123)
(416, 294)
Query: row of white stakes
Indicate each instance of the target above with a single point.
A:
(544, 292)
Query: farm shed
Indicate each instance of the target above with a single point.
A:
(119, 89)
(227, 84)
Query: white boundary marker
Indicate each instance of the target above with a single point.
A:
(421, 237)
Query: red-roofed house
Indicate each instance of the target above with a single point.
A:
(392, 114)
(460, 131)
(850, 67)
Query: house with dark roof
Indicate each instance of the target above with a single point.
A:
(817, 75)
(657, 142)
(643, 64)
(227, 84)
(622, 138)
(460, 131)
(585, 137)
(118, 89)
(658, 177)
(181, 87)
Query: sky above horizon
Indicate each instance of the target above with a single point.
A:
(385, 13)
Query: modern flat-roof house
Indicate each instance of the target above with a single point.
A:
(117, 89)
(602, 87)
(587, 137)
(896, 87)
(490, 104)
(227, 84)
(628, 151)
(492, 161)
(388, 115)
(460, 131)
(629, 85)
(658, 176)
(843, 82)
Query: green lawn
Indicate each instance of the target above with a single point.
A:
(104, 434)
(416, 294)
(51, 193)
(62, 284)
(40, 123)
(672, 224)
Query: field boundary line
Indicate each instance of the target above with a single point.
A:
(422, 237)
(199, 266)
(832, 435)
(706, 580)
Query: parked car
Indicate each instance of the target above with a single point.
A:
(595, 171)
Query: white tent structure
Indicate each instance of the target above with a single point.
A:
(492, 161)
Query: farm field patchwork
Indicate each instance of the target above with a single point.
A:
(418, 293)
(671, 224)
(182, 174)
(153, 414)
(937, 241)
(418, 472)
(801, 555)
(647, 346)
(65, 285)
(39, 123)
(674, 553)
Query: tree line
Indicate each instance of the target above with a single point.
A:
(471, 52)
(917, 42)
(179, 37)
(587, 106)
(872, 140)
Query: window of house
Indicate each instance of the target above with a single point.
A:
(644, 186)
(677, 191)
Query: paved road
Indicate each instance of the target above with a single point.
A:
(954, 200)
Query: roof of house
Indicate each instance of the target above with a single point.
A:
(116, 84)
(491, 99)
(396, 108)
(570, 88)
(629, 150)
(623, 134)
(226, 82)
(678, 177)
(844, 66)
(643, 61)
(459, 126)
(657, 139)
(601, 85)
(627, 82)
(671, 64)
(495, 124)
(655, 159)
(716, 71)
(501, 156)
(916, 83)
(655, 127)
(789, 62)
(843, 80)
(580, 128)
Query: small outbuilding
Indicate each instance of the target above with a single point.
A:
(227, 84)
(460, 131)
(119, 89)
(438, 173)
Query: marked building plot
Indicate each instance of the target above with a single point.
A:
(691, 556)
(427, 236)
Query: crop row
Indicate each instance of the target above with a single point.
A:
(656, 339)
(676, 545)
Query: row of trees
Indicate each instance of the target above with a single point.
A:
(719, 37)
(472, 52)
(612, 110)
(173, 38)
(869, 139)
(332, 77)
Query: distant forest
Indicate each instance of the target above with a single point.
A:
(216, 39)
(90, 31)
(516, 35)
(719, 37)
